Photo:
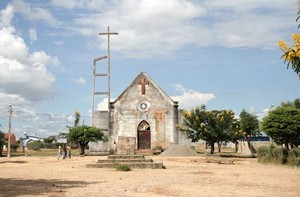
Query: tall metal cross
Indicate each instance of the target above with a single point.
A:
(108, 33)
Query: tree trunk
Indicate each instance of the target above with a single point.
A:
(219, 146)
(212, 147)
(81, 149)
(286, 144)
(236, 146)
(250, 146)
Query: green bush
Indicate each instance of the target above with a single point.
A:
(294, 157)
(278, 155)
(123, 167)
(36, 145)
(14, 147)
(51, 145)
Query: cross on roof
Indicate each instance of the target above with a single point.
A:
(143, 82)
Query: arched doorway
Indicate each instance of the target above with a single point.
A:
(144, 136)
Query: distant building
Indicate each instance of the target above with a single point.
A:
(12, 138)
(29, 138)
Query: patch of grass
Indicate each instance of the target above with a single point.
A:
(123, 167)
(279, 155)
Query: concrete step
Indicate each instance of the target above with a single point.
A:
(144, 152)
(132, 165)
(125, 157)
(124, 160)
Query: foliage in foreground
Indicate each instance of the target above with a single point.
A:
(283, 124)
(84, 134)
(123, 167)
(292, 55)
(2, 141)
(249, 126)
(212, 126)
(278, 155)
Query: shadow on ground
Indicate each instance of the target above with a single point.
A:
(235, 156)
(13, 162)
(53, 187)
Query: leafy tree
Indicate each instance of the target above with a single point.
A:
(50, 139)
(283, 124)
(292, 55)
(77, 118)
(83, 134)
(227, 125)
(211, 126)
(2, 142)
(248, 127)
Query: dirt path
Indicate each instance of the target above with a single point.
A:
(185, 176)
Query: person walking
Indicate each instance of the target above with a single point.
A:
(64, 148)
(60, 152)
(69, 151)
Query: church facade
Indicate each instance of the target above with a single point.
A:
(143, 116)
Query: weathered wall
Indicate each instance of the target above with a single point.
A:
(126, 145)
(243, 146)
(182, 138)
(160, 114)
(100, 120)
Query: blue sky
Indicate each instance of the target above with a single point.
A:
(222, 53)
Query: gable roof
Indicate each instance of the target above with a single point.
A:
(143, 75)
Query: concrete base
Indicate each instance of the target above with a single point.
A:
(97, 153)
(133, 161)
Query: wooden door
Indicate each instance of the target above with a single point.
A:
(144, 136)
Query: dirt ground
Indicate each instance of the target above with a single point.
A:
(183, 176)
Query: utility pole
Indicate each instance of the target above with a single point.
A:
(9, 130)
(108, 33)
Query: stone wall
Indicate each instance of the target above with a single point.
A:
(126, 145)
(100, 120)
(243, 146)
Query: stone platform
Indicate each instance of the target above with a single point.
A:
(133, 161)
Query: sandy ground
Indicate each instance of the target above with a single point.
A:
(183, 176)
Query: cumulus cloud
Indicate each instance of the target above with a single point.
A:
(103, 105)
(149, 28)
(33, 13)
(32, 35)
(71, 4)
(40, 122)
(191, 98)
(79, 80)
(24, 75)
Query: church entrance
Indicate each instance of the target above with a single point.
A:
(144, 136)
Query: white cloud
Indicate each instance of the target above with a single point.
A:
(42, 124)
(6, 16)
(149, 28)
(103, 105)
(24, 76)
(79, 80)
(71, 4)
(32, 35)
(7, 99)
(33, 13)
(190, 98)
